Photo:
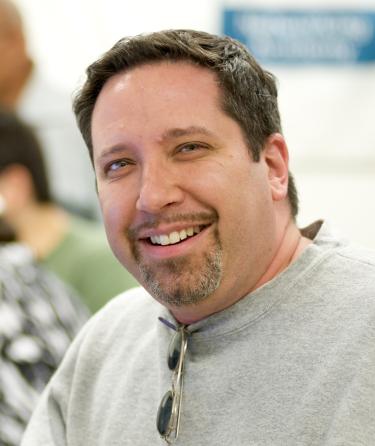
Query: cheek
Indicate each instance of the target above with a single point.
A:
(117, 213)
(245, 207)
(116, 221)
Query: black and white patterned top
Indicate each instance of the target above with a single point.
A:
(39, 316)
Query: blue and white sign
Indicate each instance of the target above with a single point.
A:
(304, 36)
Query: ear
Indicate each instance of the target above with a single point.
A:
(276, 157)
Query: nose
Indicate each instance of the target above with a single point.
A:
(159, 189)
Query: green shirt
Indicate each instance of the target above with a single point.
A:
(84, 260)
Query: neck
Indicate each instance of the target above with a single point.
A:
(291, 247)
(12, 90)
(41, 227)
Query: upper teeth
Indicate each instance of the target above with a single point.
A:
(175, 236)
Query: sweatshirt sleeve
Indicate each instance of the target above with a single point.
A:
(47, 426)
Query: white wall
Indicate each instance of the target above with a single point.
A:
(328, 113)
(66, 35)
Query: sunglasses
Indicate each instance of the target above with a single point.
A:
(169, 412)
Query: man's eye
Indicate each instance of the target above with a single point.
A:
(116, 165)
(189, 147)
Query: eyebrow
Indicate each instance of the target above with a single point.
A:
(118, 148)
(165, 137)
(188, 131)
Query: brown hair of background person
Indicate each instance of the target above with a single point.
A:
(248, 93)
(7, 233)
(19, 146)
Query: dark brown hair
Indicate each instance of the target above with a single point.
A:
(19, 145)
(7, 233)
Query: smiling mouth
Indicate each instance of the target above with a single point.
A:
(176, 236)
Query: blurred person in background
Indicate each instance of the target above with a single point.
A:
(47, 109)
(39, 316)
(75, 249)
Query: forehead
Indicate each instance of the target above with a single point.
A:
(162, 81)
(167, 93)
(173, 73)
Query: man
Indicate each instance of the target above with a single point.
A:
(47, 109)
(271, 329)
(75, 249)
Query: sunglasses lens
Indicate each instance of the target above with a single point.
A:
(174, 351)
(163, 417)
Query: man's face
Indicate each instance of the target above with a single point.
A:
(185, 208)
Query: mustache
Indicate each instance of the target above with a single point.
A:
(154, 221)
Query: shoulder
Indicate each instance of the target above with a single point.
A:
(338, 273)
(113, 331)
(355, 264)
(128, 315)
(345, 278)
(356, 268)
(342, 253)
(358, 255)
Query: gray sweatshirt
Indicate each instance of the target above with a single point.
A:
(290, 364)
